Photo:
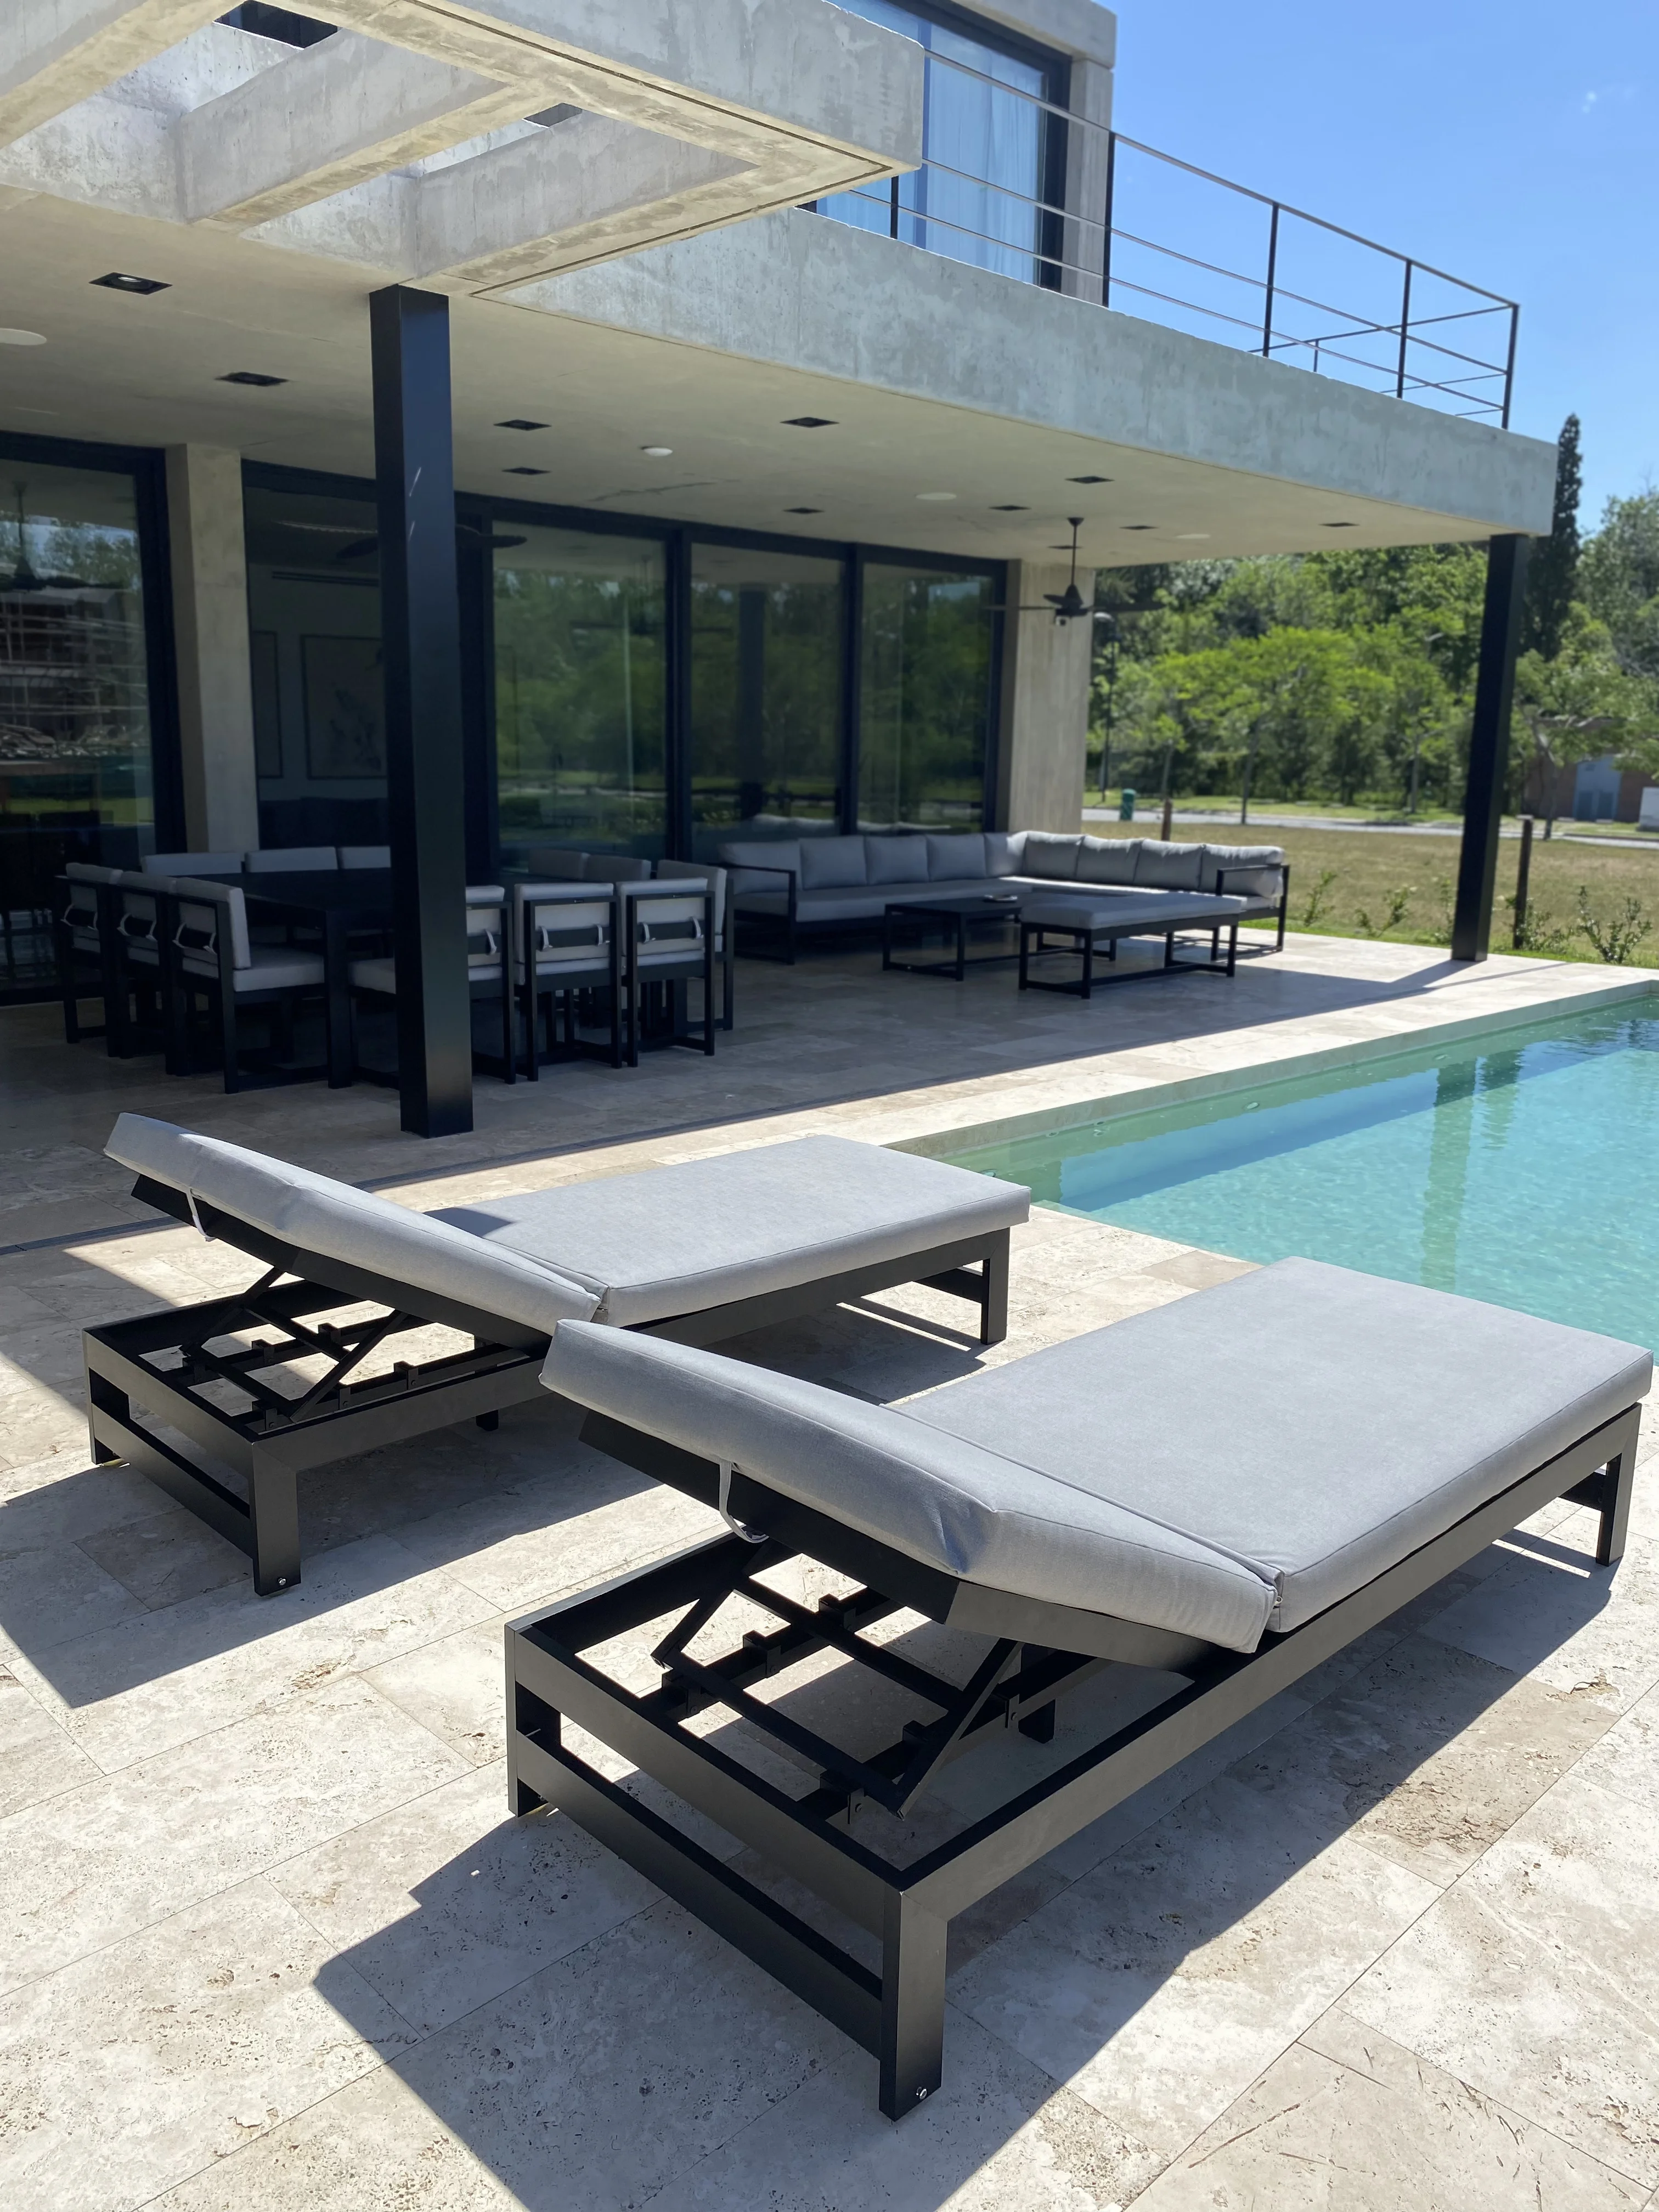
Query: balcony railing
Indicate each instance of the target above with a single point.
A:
(1136, 230)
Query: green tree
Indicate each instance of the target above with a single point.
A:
(1620, 575)
(1552, 572)
(1579, 705)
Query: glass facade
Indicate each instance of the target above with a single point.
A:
(581, 688)
(927, 669)
(767, 645)
(76, 778)
(985, 149)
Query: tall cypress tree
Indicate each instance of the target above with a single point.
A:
(1553, 577)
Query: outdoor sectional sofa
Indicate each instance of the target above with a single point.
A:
(790, 885)
(1209, 1500)
(699, 1252)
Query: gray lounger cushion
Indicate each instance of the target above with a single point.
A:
(1238, 1460)
(679, 1239)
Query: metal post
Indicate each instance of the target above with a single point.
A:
(420, 648)
(1405, 333)
(893, 209)
(1111, 196)
(1489, 747)
(1272, 277)
(1509, 367)
(1522, 883)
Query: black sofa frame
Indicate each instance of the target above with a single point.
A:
(278, 1435)
(898, 2013)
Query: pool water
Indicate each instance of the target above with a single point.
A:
(1521, 1167)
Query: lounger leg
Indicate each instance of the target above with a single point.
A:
(994, 1293)
(912, 2005)
(103, 1396)
(274, 1506)
(1618, 1481)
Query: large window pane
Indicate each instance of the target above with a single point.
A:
(926, 708)
(74, 735)
(579, 666)
(314, 580)
(766, 686)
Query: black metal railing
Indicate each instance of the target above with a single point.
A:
(1165, 242)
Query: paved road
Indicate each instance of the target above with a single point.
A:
(1143, 821)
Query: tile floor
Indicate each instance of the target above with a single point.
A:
(269, 1940)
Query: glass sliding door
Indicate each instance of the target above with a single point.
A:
(580, 690)
(926, 712)
(766, 694)
(76, 780)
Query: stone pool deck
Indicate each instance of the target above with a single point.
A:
(268, 1941)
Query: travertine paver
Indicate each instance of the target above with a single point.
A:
(268, 1941)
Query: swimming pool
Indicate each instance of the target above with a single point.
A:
(1521, 1167)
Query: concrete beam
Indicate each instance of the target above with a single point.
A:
(55, 54)
(332, 117)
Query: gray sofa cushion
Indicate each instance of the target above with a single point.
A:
(1315, 1423)
(953, 1505)
(896, 860)
(1171, 867)
(1047, 853)
(1107, 914)
(678, 1239)
(1107, 860)
(745, 853)
(338, 1222)
(831, 863)
(950, 859)
(1002, 851)
(1252, 871)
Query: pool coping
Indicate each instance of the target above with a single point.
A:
(1147, 1097)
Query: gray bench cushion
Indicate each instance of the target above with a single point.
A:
(679, 1239)
(951, 1505)
(1317, 1423)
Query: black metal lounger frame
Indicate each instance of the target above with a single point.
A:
(898, 2013)
(278, 1435)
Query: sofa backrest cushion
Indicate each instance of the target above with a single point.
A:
(1107, 860)
(335, 1221)
(1047, 853)
(1170, 867)
(896, 860)
(829, 864)
(1253, 870)
(1002, 851)
(747, 855)
(955, 858)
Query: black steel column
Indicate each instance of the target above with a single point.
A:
(1489, 747)
(421, 642)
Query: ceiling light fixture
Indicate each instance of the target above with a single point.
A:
(936, 495)
(808, 423)
(1088, 480)
(522, 471)
(21, 338)
(118, 280)
(657, 452)
(1011, 507)
(521, 423)
(250, 376)
(803, 510)
(1341, 525)
(1140, 525)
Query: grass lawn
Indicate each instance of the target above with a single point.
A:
(1372, 874)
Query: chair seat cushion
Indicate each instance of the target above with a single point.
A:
(679, 1239)
(270, 967)
(1314, 1422)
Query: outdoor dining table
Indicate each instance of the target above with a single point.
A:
(340, 901)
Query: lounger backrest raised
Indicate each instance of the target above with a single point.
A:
(326, 1220)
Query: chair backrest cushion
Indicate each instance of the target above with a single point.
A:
(829, 864)
(192, 864)
(1049, 853)
(895, 859)
(293, 860)
(718, 880)
(205, 908)
(615, 868)
(1107, 860)
(335, 1221)
(570, 925)
(485, 920)
(87, 872)
(365, 856)
(939, 1499)
(957, 857)
(557, 862)
(747, 855)
(1162, 868)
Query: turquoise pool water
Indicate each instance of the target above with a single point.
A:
(1522, 1168)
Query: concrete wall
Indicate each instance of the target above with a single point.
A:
(1045, 704)
(210, 628)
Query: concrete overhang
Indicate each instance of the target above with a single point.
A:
(935, 378)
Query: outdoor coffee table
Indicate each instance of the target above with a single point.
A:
(1086, 926)
(959, 915)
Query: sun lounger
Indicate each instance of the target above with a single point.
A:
(698, 1253)
(1224, 1491)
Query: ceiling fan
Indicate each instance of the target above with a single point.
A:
(1068, 606)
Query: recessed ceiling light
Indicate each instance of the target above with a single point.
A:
(1194, 537)
(1011, 508)
(522, 472)
(803, 510)
(936, 495)
(21, 338)
(1140, 525)
(808, 423)
(1341, 525)
(657, 452)
(118, 280)
(250, 376)
(1088, 480)
(520, 421)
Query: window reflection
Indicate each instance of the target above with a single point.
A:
(579, 691)
(926, 707)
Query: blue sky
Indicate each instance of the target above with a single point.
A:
(1513, 144)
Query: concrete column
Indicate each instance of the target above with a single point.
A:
(209, 618)
(1489, 746)
(1085, 181)
(1045, 703)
